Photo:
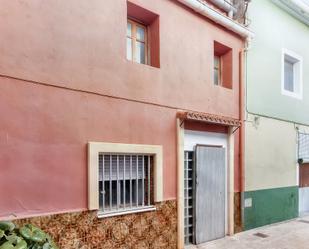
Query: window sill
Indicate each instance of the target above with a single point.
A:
(143, 64)
(223, 87)
(295, 95)
(304, 162)
(124, 212)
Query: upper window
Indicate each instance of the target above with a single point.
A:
(143, 35)
(223, 66)
(137, 42)
(217, 70)
(291, 84)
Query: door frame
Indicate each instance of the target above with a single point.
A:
(180, 182)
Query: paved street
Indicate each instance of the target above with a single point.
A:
(289, 235)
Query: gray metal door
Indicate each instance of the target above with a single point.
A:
(210, 185)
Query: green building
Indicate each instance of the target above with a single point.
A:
(277, 113)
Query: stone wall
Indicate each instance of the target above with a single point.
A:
(83, 230)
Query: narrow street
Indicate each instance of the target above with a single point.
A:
(289, 235)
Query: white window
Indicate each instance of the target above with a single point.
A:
(124, 178)
(136, 42)
(217, 70)
(291, 82)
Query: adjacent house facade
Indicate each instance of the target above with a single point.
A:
(277, 120)
(120, 118)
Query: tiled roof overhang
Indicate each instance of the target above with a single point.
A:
(208, 118)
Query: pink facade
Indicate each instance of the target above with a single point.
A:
(65, 81)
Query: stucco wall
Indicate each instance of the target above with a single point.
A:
(65, 81)
(271, 150)
(271, 173)
(83, 46)
(275, 29)
(44, 135)
(43, 146)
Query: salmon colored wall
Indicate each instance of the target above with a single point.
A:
(76, 47)
(83, 46)
(44, 133)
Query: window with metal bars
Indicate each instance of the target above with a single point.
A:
(303, 147)
(125, 183)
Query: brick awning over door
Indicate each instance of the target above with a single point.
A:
(208, 118)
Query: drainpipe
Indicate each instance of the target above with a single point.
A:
(226, 6)
(241, 117)
(242, 107)
(231, 14)
(205, 9)
(297, 8)
(300, 4)
(242, 113)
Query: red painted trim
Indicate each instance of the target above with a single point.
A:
(241, 117)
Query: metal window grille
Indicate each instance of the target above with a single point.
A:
(303, 146)
(188, 197)
(125, 183)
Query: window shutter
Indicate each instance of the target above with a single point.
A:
(131, 163)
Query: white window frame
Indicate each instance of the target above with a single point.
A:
(95, 148)
(298, 74)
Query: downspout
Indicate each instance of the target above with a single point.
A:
(242, 104)
(230, 14)
(242, 136)
(242, 112)
(241, 116)
(204, 9)
(300, 4)
(226, 6)
(297, 8)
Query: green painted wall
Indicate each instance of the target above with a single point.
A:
(271, 206)
(275, 29)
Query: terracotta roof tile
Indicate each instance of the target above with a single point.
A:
(208, 118)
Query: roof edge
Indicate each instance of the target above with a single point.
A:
(208, 118)
(295, 8)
